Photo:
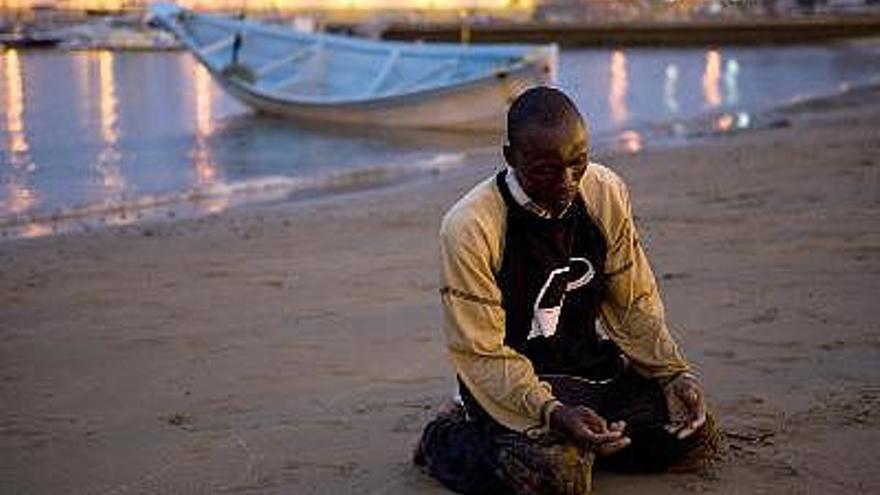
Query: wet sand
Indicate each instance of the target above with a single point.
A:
(296, 348)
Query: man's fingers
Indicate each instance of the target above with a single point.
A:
(683, 428)
(595, 438)
(609, 448)
(584, 426)
(689, 429)
(696, 412)
(692, 426)
(674, 427)
(687, 408)
(594, 421)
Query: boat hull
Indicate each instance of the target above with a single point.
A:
(477, 106)
(340, 80)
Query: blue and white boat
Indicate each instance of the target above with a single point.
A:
(338, 79)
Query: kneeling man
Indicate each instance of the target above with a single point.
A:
(532, 258)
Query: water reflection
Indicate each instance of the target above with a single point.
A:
(21, 194)
(729, 121)
(670, 89)
(35, 229)
(108, 164)
(731, 75)
(206, 170)
(630, 141)
(724, 122)
(712, 79)
(116, 133)
(619, 82)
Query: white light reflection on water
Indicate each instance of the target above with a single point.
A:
(670, 88)
(731, 75)
(618, 87)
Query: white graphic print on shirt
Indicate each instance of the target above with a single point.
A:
(548, 304)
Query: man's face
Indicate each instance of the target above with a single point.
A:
(550, 162)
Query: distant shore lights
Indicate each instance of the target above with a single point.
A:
(111, 5)
(357, 4)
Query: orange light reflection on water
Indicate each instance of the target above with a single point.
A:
(108, 161)
(630, 141)
(724, 122)
(33, 230)
(21, 195)
(14, 103)
(618, 88)
(108, 102)
(712, 79)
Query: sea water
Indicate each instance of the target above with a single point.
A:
(92, 138)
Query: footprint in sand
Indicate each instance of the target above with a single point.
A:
(767, 316)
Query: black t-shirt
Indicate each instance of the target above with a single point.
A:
(552, 279)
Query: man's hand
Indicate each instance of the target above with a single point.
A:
(687, 409)
(586, 428)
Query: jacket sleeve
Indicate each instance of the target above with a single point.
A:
(632, 313)
(500, 379)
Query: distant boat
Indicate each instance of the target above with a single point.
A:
(29, 38)
(338, 79)
(118, 34)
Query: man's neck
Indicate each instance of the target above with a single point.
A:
(522, 198)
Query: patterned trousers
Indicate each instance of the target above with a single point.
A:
(478, 457)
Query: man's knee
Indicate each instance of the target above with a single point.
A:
(543, 466)
(458, 454)
(468, 459)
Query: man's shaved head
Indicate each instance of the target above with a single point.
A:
(547, 146)
(542, 107)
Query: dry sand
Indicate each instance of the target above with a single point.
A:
(296, 348)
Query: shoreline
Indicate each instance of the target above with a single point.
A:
(233, 198)
(295, 348)
(730, 31)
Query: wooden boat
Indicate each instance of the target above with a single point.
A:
(337, 79)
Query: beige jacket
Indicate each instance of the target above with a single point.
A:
(472, 245)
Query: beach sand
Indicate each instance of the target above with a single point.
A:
(296, 348)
